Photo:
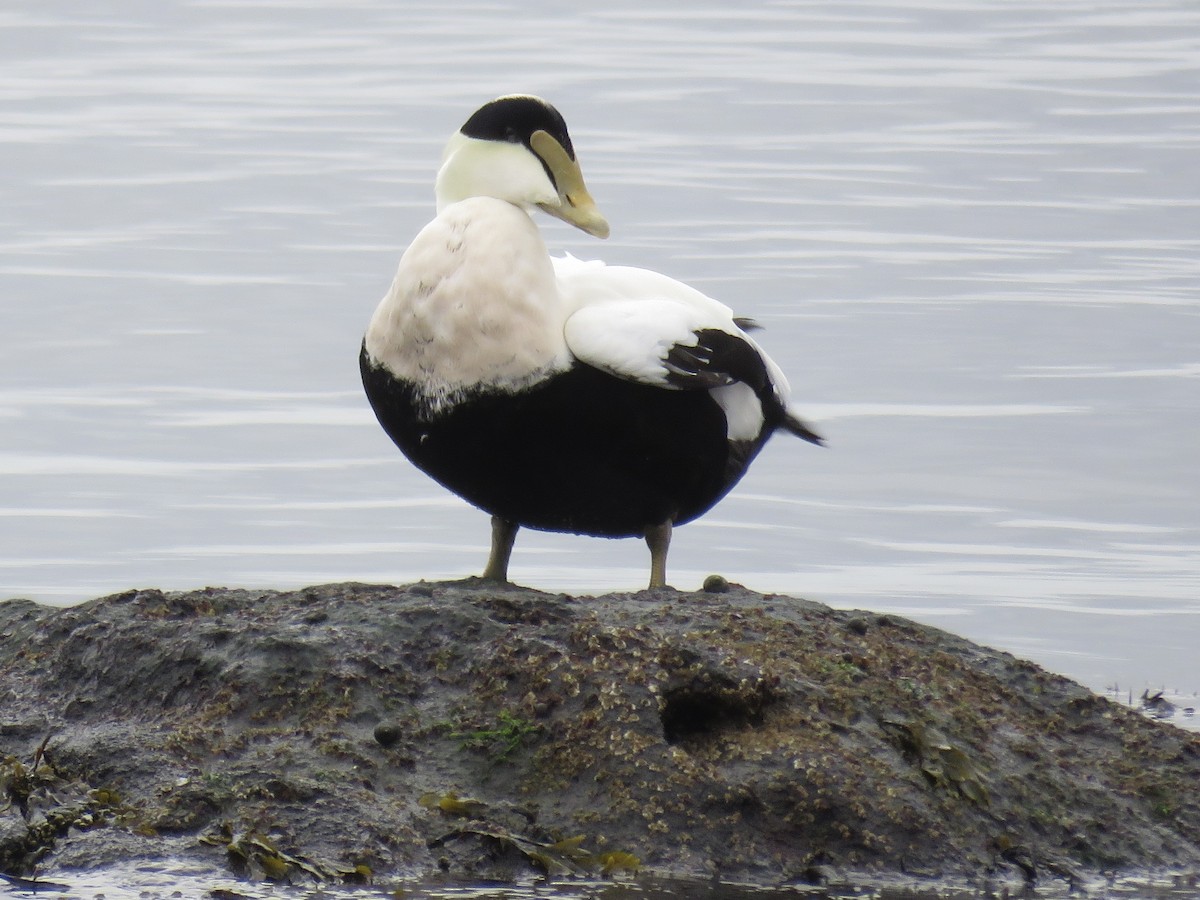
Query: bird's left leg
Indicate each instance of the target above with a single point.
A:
(658, 539)
(504, 533)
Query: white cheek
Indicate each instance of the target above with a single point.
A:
(743, 411)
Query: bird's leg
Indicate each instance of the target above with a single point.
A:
(504, 533)
(658, 539)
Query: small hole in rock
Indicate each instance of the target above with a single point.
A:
(691, 715)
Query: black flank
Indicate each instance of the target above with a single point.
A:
(581, 451)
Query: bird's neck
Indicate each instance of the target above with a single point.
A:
(503, 171)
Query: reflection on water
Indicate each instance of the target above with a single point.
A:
(132, 882)
(968, 229)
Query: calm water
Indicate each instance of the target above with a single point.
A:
(971, 229)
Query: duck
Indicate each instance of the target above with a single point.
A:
(554, 393)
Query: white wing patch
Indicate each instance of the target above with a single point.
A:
(631, 338)
(627, 321)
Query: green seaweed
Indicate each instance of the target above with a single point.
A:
(501, 741)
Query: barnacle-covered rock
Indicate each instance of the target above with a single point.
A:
(345, 732)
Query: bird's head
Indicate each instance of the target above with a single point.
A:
(516, 148)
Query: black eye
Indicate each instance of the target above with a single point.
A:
(512, 135)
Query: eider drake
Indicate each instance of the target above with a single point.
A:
(557, 394)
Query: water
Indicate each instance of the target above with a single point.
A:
(140, 882)
(971, 230)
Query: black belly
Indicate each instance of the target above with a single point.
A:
(581, 451)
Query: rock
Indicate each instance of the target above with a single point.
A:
(857, 624)
(484, 731)
(388, 734)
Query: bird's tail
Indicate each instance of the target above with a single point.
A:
(797, 426)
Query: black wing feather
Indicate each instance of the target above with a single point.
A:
(719, 358)
(716, 359)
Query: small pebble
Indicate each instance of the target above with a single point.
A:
(716, 584)
(388, 735)
(858, 625)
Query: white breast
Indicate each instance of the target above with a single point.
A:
(474, 304)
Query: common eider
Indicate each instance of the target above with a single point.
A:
(558, 394)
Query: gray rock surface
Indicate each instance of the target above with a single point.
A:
(351, 731)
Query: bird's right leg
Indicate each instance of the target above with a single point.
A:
(658, 539)
(504, 533)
